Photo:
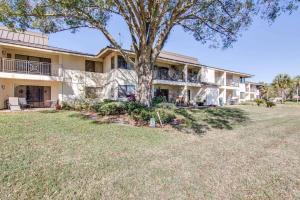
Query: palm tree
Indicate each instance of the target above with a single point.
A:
(296, 82)
(282, 83)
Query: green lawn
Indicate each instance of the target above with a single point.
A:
(242, 152)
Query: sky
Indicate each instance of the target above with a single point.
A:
(263, 50)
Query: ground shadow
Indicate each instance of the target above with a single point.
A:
(200, 121)
(191, 124)
(48, 111)
(225, 118)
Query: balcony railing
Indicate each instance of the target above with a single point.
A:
(164, 75)
(176, 76)
(232, 83)
(194, 78)
(219, 81)
(28, 67)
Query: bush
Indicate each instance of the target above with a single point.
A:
(166, 106)
(112, 108)
(270, 104)
(165, 116)
(134, 106)
(259, 101)
(67, 106)
(157, 100)
(97, 106)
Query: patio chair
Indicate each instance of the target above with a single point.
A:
(13, 103)
(23, 103)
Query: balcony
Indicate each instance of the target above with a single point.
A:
(177, 76)
(28, 67)
(232, 83)
(164, 75)
(193, 78)
(220, 81)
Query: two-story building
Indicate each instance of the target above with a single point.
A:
(43, 74)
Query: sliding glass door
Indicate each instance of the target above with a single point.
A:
(36, 96)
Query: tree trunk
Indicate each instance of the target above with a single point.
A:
(144, 70)
(297, 94)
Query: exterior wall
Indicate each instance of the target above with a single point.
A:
(75, 79)
(207, 75)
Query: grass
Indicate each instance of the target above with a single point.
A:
(243, 152)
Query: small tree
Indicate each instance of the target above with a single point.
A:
(266, 91)
(149, 22)
(282, 83)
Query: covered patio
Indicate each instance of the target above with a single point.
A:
(37, 94)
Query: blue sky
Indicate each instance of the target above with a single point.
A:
(263, 50)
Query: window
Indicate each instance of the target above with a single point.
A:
(112, 62)
(92, 92)
(242, 95)
(8, 55)
(242, 80)
(90, 66)
(122, 64)
(126, 90)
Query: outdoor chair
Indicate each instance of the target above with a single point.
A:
(23, 103)
(13, 103)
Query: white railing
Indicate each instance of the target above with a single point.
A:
(220, 81)
(29, 67)
(232, 83)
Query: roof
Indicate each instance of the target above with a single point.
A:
(26, 36)
(163, 56)
(229, 71)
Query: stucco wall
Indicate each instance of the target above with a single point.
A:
(207, 75)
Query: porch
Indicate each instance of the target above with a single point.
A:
(187, 95)
(38, 94)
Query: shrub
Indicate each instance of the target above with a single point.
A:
(134, 106)
(67, 106)
(166, 106)
(108, 101)
(259, 101)
(157, 100)
(270, 104)
(97, 106)
(165, 116)
(112, 108)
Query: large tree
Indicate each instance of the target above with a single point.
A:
(149, 22)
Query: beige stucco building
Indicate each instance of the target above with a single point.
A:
(43, 74)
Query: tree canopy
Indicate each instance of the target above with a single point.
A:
(217, 22)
